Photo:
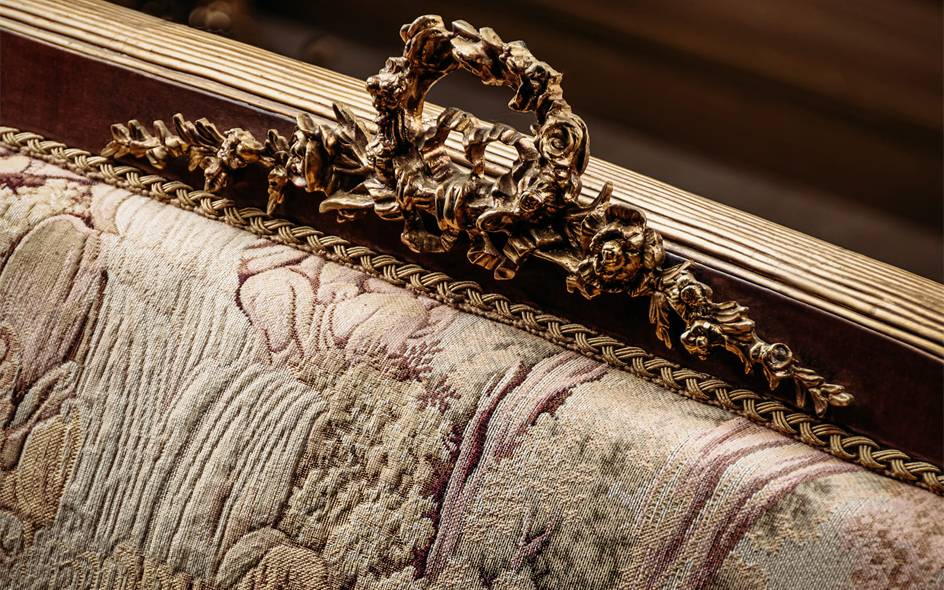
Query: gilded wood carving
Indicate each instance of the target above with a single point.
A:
(402, 172)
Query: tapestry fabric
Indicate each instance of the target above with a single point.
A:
(186, 405)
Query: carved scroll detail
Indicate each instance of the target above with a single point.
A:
(401, 172)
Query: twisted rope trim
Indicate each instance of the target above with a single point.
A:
(468, 296)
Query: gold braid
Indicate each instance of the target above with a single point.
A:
(469, 296)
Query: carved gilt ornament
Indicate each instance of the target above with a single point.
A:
(403, 173)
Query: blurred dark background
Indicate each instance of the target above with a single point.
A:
(822, 115)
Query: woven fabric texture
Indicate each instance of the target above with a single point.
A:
(186, 405)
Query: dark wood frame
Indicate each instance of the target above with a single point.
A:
(73, 98)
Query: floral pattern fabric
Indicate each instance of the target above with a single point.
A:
(185, 405)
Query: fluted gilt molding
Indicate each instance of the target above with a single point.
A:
(399, 170)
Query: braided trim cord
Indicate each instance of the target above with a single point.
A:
(469, 296)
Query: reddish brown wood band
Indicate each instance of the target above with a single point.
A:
(867, 292)
(898, 388)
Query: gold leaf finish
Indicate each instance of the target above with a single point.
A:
(402, 172)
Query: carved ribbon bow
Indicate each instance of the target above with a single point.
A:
(403, 173)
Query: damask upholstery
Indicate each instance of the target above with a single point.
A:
(187, 405)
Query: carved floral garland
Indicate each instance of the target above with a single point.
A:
(403, 173)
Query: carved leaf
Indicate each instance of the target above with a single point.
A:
(402, 171)
(659, 316)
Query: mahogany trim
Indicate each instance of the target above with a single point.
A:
(897, 386)
(878, 296)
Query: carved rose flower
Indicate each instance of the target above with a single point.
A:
(620, 252)
(701, 337)
(775, 359)
(695, 296)
(239, 149)
(388, 86)
(561, 142)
